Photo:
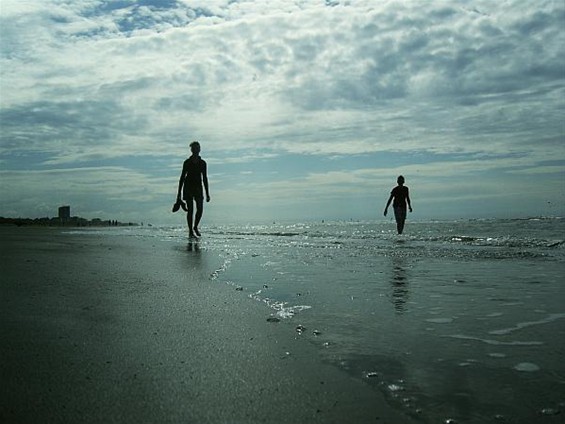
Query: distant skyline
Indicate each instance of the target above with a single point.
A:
(305, 109)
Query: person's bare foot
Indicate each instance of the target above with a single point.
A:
(191, 235)
(197, 232)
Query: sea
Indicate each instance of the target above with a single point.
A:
(454, 321)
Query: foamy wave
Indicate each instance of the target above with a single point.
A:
(495, 342)
(519, 326)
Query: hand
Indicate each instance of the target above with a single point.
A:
(410, 208)
(386, 211)
(207, 198)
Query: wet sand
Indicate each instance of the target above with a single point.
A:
(108, 329)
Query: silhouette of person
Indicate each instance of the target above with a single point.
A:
(401, 196)
(194, 173)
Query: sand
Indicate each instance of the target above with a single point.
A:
(114, 329)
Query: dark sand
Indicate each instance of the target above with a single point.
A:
(109, 329)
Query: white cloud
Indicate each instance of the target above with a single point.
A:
(88, 81)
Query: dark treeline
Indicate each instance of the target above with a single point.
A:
(74, 221)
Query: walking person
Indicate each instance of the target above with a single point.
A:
(194, 174)
(401, 197)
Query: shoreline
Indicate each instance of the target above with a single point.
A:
(117, 329)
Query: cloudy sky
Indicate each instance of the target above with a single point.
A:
(305, 109)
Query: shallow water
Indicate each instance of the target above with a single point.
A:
(456, 320)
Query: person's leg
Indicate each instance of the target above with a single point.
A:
(400, 217)
(190, 211)
(400, 226)
(198, 217)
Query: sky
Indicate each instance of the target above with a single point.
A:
(305, 109)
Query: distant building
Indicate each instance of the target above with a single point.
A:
(64, 213)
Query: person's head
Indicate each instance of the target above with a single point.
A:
(400, 180)
(195, 147)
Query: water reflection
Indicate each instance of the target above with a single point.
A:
(194, 258)
(399, 284)
(193, 246)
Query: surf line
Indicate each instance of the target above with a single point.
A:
(494, 342)
(519, 326)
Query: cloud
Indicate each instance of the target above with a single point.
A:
(102, 190)
(89, 83)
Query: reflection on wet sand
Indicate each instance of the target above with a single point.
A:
(399, 284)
(193, 246)
(194, 258)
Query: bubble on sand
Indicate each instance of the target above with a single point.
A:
(440, 320)
(527, 367)
(286, 355)
(284, 311)
(372, 374)
(395, 388)
(549, 411)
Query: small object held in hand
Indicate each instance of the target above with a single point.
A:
(179, 204)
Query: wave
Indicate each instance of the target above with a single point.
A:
(340, 238)
(506, 241)
(258, 233)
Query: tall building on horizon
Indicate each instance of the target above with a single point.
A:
(64, 213)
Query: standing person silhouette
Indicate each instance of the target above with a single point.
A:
(401, 196)
(190, 183)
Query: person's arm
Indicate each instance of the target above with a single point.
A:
(181, 182)
(408, 199)
(388, 203)
(205, 181)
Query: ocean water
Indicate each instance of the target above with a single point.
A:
(460, 321)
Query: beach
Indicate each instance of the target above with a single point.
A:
(98, 327)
